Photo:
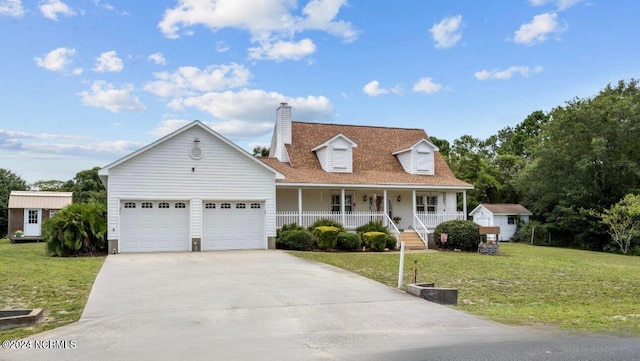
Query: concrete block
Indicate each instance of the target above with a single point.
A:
(428, 291)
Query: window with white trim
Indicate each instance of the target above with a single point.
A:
(146, 205)
(163, 205)
(130, 205)
(423, 160)
(420, 204)
(210, 206)
(241, 206)
(335, 203)
(225, 205)
(256, 206)
(511, 219)
(340, 157)
(33, 216)
(180, 205)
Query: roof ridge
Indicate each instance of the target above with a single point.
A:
(356, 125)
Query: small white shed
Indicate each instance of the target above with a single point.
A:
(504, 216)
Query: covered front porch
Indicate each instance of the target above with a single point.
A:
(418, 209)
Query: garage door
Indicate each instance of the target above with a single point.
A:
(233, 225)
(154, 226)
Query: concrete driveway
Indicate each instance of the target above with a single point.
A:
(268, 305)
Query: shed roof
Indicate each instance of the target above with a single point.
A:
(37, 199)
(504, 208)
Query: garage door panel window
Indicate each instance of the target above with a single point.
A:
(181, 205)
(255, 205)
(130, 205)
(225, 206)
(241, 206)
(163, 205)
(210, 206)
(147, 205)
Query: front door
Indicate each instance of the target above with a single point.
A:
(32, 222)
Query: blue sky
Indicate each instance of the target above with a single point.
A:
(86, 82)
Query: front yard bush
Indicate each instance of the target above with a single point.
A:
(296, 240)
(373, 226)
(326, 222)
(288, 227)
(376, 241)
(77, 228)
(326, 237)
(390, 242)
(462, 235)
(348, 241)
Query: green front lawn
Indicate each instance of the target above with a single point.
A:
(31, 279)
(525, 285)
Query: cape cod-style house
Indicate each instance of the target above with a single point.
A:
(354, 174)
(196, 190)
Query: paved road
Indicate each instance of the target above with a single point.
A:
(267, 305)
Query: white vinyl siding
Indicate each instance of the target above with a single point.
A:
(336, 156)
(166, 172)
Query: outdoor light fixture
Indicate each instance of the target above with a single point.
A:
(364, 199)
(399, 198)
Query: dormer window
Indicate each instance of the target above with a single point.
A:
(418, 158)
(336, 154)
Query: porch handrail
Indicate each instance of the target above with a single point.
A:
(422, 231)
(393, 229)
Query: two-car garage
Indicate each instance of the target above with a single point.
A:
(156, 226)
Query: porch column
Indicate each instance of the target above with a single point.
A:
(299, 206)
(413, 208)
(464, 204)
(342, 206)
(386, 207)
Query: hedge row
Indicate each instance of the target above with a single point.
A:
(327, 234)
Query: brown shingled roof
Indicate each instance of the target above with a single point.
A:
(373, 161)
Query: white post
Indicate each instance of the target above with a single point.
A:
(401, 268)
(300, 207)
(342, 206)
(464, 205)
(385, 209)
(413, 208)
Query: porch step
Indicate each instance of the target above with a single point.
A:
(411, 240)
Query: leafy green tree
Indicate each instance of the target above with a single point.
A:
(50, 185)
(585, 159)
(259, 151)
(9, 181)
(87, 187)
(623, 220)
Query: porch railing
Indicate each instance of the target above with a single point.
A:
(393, 230)
(421, 229)
(431, 220)
(351, 220)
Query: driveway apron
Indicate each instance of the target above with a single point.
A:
(268, 305)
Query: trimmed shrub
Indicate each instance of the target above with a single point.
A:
(374, 241)
(297, 240)
(373, 226)
(289, 227)
(326, 222)
(390, 242)
(326, 237)
(462, 235)
(348, 241)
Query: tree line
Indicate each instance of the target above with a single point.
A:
(569, 166)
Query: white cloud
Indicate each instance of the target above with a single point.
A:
(426, 85)
(157, 58)
(57, 59)
(221, 46)
(446, 33)
(283, 50)
(271, 23)
(108, 62)
(524, 71)
(107, 96)
(11, 8)
(538, 29)
(52, 8)
(252, 105)
(189, 79)
(373, 89)
(229, 128)
(560, 4)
